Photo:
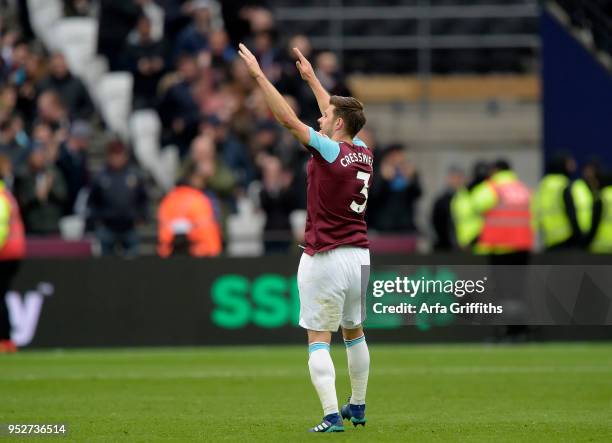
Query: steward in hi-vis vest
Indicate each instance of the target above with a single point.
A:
(12, 237)
(504, 202)
(601, 231)
(12, 250)
(562, 209)
(468, 223)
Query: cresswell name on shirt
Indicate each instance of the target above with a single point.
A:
(354, 157)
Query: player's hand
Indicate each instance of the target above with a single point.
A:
(303, 66)
(250, 60)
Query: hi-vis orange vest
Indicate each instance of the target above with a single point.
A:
(14, 247)
(188, 207)
(508, 224)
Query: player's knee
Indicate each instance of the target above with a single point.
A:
(351, 334)
(319, 336)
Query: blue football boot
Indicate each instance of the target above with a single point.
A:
(330, 423)
(354, 413)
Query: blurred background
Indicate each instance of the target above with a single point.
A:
(131, 128)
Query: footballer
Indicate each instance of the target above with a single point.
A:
(339, 173)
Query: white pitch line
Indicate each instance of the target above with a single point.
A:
(224, 374)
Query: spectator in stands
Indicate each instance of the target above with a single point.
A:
(264, 138)
(49, 140)
(441, 217)
(278, 201)
(394, 193)
(187, 223)
(195, 38)
(20, 75)
(70, 89)
(14, 139)
(242, 19)
(178, 110)
(116, 19)
(52, 111)
(220, 181)
(145, 60)
(8, 101)
(328, 72)
(231, 150)
(10, 144)
(73, 161)
(259, 16)
(118, 202)
(78, 8)
(155, 14)
(292, 84)
(223, 54)
(177, 16)
(8, 38)
(7, 171)
(267, 53)
(41, 192)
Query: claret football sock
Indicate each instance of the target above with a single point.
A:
(323, 376)
(359, 367)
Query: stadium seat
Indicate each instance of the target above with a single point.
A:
(145, 128)
(44, 14)
(77, 39)
(297, 219)
(245, 231)
(92, 73)
(114, 95)
(72, 227)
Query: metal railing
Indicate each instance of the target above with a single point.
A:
(336, 14)
(424, 41)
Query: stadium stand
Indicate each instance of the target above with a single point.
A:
(427, 70)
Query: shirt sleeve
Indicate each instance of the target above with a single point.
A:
(326, 147)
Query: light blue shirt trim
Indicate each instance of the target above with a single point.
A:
(359, 142)
(328, 148)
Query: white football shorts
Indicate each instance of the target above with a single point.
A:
(330, 289)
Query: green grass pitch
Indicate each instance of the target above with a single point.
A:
(560, 392)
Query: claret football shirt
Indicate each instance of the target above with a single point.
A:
(339, 175)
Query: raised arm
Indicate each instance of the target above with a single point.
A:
(307, 73)
(281, 110)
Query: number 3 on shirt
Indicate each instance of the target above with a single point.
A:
(365, 177)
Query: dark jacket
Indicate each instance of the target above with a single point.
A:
(117, 18)
(73, 93)
(41, 217)
(442, 222)
(74, 168)
(394, 205)
(118, 199)
(145, 86)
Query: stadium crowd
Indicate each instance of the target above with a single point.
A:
(182, 58)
